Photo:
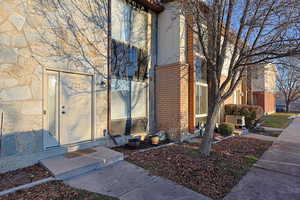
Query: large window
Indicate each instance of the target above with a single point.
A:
(201, 91)
(129, 69)
(129, 62)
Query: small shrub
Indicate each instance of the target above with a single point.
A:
(226, 129)
(251, 112)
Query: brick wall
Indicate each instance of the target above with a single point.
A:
(192, 77)
(172, 99)
(266, 100)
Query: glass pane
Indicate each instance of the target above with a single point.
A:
(203, 100)
(52, 134)
(138, 100)
(129, 62)
(129, 25)
(139, 29)
(197, 100)
(201, 75)
(120, 99)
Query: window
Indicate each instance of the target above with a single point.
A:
(129, 25)
(129, 68)
(201, 90)
(201, 71)
(129, 62)
(201, 99)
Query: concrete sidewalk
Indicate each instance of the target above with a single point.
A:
(276, 176)
(129, 182)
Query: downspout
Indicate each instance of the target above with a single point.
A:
(1, 133)
(155, 65)
(109, 72)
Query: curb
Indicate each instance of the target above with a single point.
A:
(26, 186)
(158, 147)
(153, 148)
(231, 136)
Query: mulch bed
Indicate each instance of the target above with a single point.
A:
(55, 190)
(23, 176)
(128, 150)
(212, 176)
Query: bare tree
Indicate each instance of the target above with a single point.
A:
(71, 32)
(250, 31)
(288, 81)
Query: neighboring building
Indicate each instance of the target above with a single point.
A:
(55, 104)
(263, 87)
(280, 104)
(181, 66)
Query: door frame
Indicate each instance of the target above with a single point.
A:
(45, 104)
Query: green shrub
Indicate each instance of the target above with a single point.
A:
(226, 129)
(251, 112)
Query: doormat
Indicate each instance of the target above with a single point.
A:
(79, 153)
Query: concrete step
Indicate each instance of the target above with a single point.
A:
(77, 163)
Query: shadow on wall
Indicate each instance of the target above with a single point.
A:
(21, 143)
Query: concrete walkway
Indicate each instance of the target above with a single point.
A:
(271, 129)
(129, 182)
(276, 176)
(104, 171)
(261, 137)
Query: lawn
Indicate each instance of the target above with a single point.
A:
(55, 190)
(277, 120)
(212, 176)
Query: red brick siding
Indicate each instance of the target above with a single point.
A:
(172, 99)
(192, 77)
(266, 100)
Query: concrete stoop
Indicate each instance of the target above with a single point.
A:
(74, 164)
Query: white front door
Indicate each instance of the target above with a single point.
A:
(69, 108)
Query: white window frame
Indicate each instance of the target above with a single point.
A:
(204, 85)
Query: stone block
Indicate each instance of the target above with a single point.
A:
(29, 142)
(31, 36)
(24, 52)
(9, 146)
(19, 41)
(17, 20)
(16, 93)
(4, 67)
(32, 108)
(8, 82)
(36, 89)
(7, 27)
(8, 55)
(4, 39)
(9, 6)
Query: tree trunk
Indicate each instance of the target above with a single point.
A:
(209, 129)
(287, 106)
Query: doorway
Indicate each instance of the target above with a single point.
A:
(68, 108)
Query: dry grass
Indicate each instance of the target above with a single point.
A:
(277, 120)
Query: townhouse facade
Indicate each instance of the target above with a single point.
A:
(65, 85)
(263, 87)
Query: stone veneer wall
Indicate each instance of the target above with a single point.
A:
(21, 79)
(172, 99)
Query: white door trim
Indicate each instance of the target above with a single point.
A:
(45, 104)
